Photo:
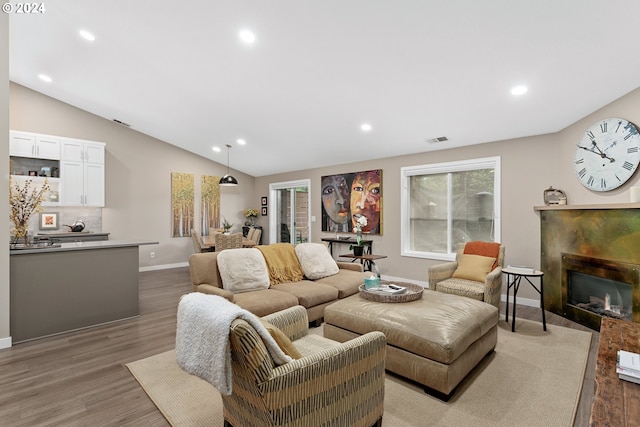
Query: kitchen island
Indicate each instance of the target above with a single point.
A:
(72, 286)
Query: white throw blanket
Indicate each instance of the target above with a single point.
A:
(202, 338)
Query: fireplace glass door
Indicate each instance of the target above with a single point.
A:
(593, 288)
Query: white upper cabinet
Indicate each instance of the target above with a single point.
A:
(82, 173)
(82, 151)
(26, 144)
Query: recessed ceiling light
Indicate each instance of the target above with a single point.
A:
(247, 36)
(241, 141)
(87, 35)
(519, 90)
(45, 78)
(366, 127)
(216, 149)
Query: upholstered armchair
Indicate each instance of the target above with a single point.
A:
(472, 277)
(332, 384)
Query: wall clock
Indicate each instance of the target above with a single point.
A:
(607, 155)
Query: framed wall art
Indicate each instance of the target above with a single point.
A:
(210, 203)
(348, 196)
(182, 204)
(49, 221)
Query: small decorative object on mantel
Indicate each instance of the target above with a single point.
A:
(25, 202)
(251, 214)
(553, 196)
(358, 248)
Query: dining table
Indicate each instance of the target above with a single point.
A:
(208, 243)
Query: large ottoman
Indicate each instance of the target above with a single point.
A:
(435, 341)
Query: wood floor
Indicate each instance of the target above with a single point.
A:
(79, 378)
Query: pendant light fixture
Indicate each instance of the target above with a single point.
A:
(228, 180)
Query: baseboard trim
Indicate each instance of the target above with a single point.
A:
(163, 266)
(522, 301)
(5, 342)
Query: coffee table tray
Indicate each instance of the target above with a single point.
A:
(414, 292)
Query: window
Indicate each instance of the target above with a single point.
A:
(449, 203)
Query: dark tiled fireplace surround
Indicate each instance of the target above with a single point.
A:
(600, 245)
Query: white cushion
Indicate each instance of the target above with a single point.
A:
(243, 270)
(316, 261)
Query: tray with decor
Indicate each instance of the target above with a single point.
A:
(390, 291)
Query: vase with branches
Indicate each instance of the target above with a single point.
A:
(25, 201)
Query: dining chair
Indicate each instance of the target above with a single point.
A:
(197, 244)
(257, 233)
(228, 241)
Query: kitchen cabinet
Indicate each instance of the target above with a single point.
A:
(82, 173)
(27, 144)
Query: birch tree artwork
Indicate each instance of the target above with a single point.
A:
(182, 203)
(210, 203)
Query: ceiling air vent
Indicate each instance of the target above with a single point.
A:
(122, 123)
(438, 139)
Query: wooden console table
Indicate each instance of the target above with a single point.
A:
(616, 402)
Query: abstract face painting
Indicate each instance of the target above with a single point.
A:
(346, 197)
(366, 194)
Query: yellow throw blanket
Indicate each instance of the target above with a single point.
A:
(282, 263)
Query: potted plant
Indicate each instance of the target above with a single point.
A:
(252, 214)
(358, 248)
(226, 225)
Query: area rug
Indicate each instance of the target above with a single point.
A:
(534, 378)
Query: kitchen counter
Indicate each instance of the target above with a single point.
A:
(73, 286)
(82, 246)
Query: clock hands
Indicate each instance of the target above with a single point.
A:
(599, 152)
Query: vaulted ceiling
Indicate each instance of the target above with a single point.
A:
(318, 70)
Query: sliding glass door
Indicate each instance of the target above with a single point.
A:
(289, 215)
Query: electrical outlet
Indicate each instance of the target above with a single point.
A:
(152, 254)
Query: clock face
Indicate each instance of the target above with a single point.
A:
(607, 155)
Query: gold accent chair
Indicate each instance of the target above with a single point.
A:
(228, 241)
(338, 384)
(441, 278)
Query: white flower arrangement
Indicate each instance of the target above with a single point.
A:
(360, 224)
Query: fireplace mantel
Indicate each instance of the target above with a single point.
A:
(585, 207)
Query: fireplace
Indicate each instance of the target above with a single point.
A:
(606, 241)
(593, 288)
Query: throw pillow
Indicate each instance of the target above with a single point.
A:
(316, 261)
(473, 267)
(282, 340)
(242, 270)
(490, 249)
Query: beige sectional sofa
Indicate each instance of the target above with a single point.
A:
(313, 295)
